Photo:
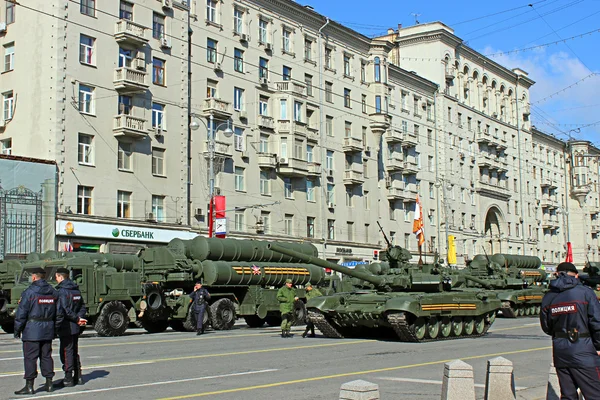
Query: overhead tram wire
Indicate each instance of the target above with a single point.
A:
(494, 14)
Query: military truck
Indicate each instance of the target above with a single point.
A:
(152, 288)
(590, 276)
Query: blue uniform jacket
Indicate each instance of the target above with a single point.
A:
(70, 308)
(36, 313)
(200, 299)
(570, 305)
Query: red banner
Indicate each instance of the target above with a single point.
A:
(219, 210)
(569, 253)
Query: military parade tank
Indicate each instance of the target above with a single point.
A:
(518, 281)
(417, 302)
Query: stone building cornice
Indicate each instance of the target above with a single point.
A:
(399, 75)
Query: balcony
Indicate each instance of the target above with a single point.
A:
(380, 121)
(490, 189)
(218, 108)
(395, 164)
(314, 169)
(580, 191)
(353, 177)
(550, 221)
(293, 167)
(595, 226)
(352, 145)
(266, 122)
(130, 127)
(222, 149)
(291, 87)
(266, 160)
(410, 167)
(130, 80)
(409, 139)
(128, 32)
(393, 136)
(295, 127)
(396, 191)
(549, 202)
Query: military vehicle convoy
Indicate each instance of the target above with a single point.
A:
(517, 280)
(152, 288)
(417, 301)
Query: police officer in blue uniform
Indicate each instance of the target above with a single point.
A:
(571, 315)
(35, 325)
(199, 299)
(70, 312)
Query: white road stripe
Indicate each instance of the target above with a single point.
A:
(20, 358)
(84, 392)
(413, 380)
(92, 368)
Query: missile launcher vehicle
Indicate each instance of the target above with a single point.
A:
(417, 302)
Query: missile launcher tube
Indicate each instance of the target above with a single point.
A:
(214, 249)
(510, 260)
(247, 273)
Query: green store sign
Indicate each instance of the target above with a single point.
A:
(132, 233)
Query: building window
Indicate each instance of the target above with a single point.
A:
(347, 98)
(158, 71)
(8, 105)
(9, 57)
(289, 224)
(297, 111)
(85, 149)
(431, 191)
(310, 190)
(287, 73)
(378, 104)
(126, 10)
(211, 11)
(158, 208)
(86, 99)
(125, 105)
(329, 125)
(377, 65)
(283, 109)
(348, 129)
(158, 26)
(263, 68)
(347, 71)
(287, 40)
(308, 50)
(392, 210)
(86, 50)
(238, 60)
(238, 20)
(363, 71)
(124, 156)
(329, 92)
(239, 179)
(263, 106)
(238, 99)
(6, 146)
(331, 229)
(309, 86)
(329, 160)
(87, 7)
(349, 197)
(123, 204)
(158, 161)
(310, 150)
(288, 189)
(84, 200)
(240, 225)
(125, 57)
(364, 103)
(350, 228)
(211, 50)
(238, 139)
(330, 193)
(310, 227)
(211, 89)
(263, 27)
(158, 116)
(328, 60)
(263, 144)
(264, 183)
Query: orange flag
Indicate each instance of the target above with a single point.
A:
(418, 223)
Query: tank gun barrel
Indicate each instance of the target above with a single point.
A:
(375, 280)
(482, 282)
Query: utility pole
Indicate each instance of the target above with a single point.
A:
(189, 118)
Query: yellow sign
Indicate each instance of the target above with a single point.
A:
(451, 250)
(69, 228)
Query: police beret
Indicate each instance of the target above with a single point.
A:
(37, 270)
(62, 271)
(566, 267)
(308, 285)
(288, 281)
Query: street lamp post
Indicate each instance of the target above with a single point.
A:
(211, 161)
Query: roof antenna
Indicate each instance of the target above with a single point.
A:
(416, 16)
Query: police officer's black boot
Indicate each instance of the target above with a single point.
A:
(28, 389)
(283, 333)
(305, 333)
(289, 333)
(312, 333)
(78, 377)
(69, 381)
(49, 387)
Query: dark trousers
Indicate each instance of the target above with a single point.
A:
(199, 317)
(587, 379)
(69, 353)
(34, 350)
(310, 327)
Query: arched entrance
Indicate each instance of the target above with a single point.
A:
(493, 233)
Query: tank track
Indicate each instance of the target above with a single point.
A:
(406, 334)
(508, 311)
(317, 318)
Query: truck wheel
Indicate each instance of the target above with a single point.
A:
(300, 313)
(189, 325)
(273, 320)
(254, 321)
(222, 314)
(8, 327)
(155, 326)
(113, 319)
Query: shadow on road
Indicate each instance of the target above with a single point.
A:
(96, 374)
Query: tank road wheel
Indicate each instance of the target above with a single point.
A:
(538, 309)
(445, 327)
(300, 313)
(528, 310)
(457, 326)
(469, 326)
(419, 328)
(520, 311)
(433, 328)
(8, 327)
(113, 319)
(273, 320)
(480, 325)
(222, 314)
(492, 317)
(253, 321)
(155, 326)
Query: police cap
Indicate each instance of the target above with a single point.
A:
(566, 267)
(288, 281)
(37, 271)
(198, 282)
(308, 285)
(62, 271)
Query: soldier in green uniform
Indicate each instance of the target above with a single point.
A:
(310, 293)
(286, 297)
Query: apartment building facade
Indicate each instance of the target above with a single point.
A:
(332, 131)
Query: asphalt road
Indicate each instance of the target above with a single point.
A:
(249, 363)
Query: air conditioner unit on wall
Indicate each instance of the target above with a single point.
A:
(268, 46)
(166, 3)
(283, 160)
(218, 67)
(2, 26)
(165, 43)
(243, 37)
(150, 217)
(158, 131)
(140, 63)
(330, 205)
(198, 212)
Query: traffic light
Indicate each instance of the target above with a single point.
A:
(375, 254)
